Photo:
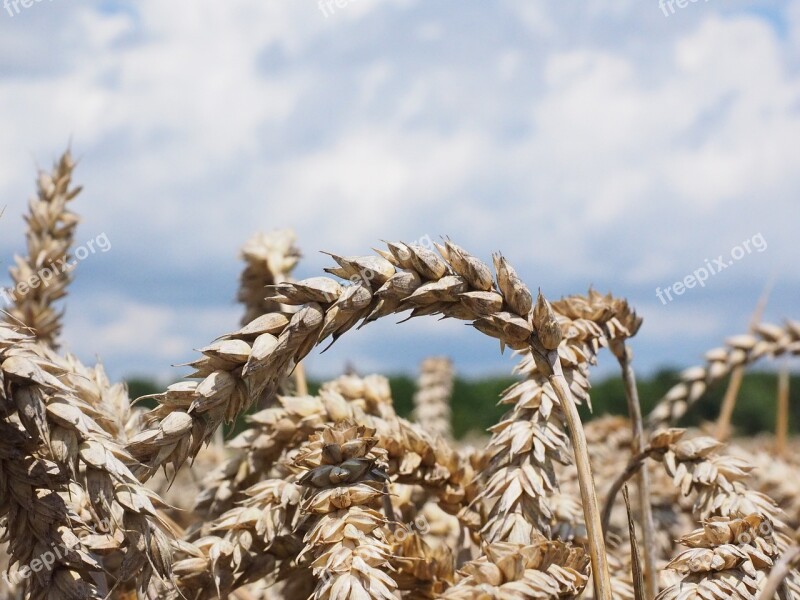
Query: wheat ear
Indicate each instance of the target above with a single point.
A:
(51, 228)
(414, 456)
(346, 543)
(544, 570)
(269, 258)
(727, 558)
(455, 284)
(740, 350)
(118, 504)
(242, 367)
(432, 398)
(696, 465)
(520, 478)
(35, 489)
(782, 418)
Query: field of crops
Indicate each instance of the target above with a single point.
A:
(332, 495)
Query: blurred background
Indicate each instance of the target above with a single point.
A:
(622, 144)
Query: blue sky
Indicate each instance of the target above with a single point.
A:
(594, 143)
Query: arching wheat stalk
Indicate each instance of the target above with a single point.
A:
(241, 368)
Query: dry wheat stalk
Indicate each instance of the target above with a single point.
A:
(432, 398)
(718, 480)
(609, 442)
(50, 232)
(723, 424)
(780, 576)
(695, 465)
(241, 367)
(529, 440)
(782, 412)
(741, 350)
(253, 541)
(625, 356)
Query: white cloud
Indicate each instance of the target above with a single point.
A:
(132, 337)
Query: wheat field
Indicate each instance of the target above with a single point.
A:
(332, 495)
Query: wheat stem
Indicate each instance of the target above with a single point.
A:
(591, 511)
(633, 467)
(300, 382)
(782, 424)
(624, 356)
(723, 425)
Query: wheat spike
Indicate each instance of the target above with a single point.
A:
(244, 366)
(413, 455)
(269, 259)
(508, 571)
(89, 454)
(35, 488)
(51, 229)
(344, 473)
(727, 558)
(741, 350)
(432, 398)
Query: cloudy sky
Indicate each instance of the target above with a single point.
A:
(614, 143)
